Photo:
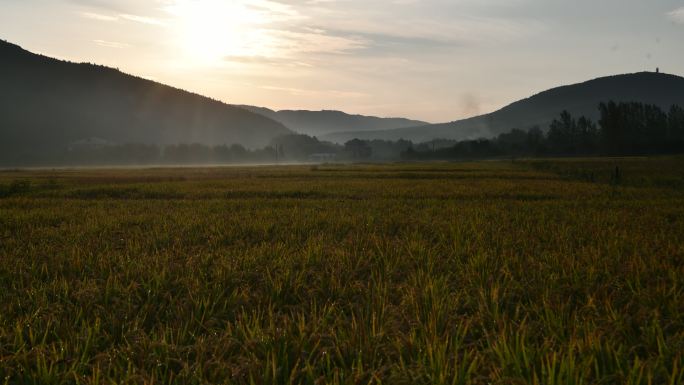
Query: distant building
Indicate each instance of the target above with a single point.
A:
(323, 157)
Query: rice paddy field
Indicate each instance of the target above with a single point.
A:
(525, 272)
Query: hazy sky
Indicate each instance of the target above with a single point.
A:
(436, 60)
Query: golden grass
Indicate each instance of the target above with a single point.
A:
(472, 273)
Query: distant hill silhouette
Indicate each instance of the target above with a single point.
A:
(319, 123)
(539, 110)
(46, 104)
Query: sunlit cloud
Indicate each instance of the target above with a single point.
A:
(286, 43)
(268, 61)
(316, 93)
(121, 17)
(141, 19)
(677, 15)
(421, 21)
(110, 44)
(97, 16)
(209, 30)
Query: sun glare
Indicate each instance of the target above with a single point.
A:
(211, 30)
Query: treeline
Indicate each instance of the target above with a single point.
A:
(623, 129)
(286, 148)
(635, 128)
(142, 154)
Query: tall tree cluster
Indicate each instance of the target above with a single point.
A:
(636, 128)
(570, 136)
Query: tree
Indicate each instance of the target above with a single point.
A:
(610, 128)
(633, 128)
(588, 139)
(514, 142)
(675, 128)
(562, 136)
(238, 152)
(300, 147)
(358, 149)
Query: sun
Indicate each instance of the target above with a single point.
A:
(210, 30)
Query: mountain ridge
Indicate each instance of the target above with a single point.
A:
(47, 103)
(541, 108)
(323, 122)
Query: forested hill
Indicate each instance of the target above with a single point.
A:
(318, 123)
(46, 104)
(581, 99)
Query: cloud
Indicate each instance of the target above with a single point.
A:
(457, 31)
(99, 4)
(253, 30)
(98, 16)
(315, 41)
(315, 93)
(140, 19)
(110, 44)
(403, 25)
(121, 17)
(677, 15)
(265, 60)
(119, 6)
(261, 12)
